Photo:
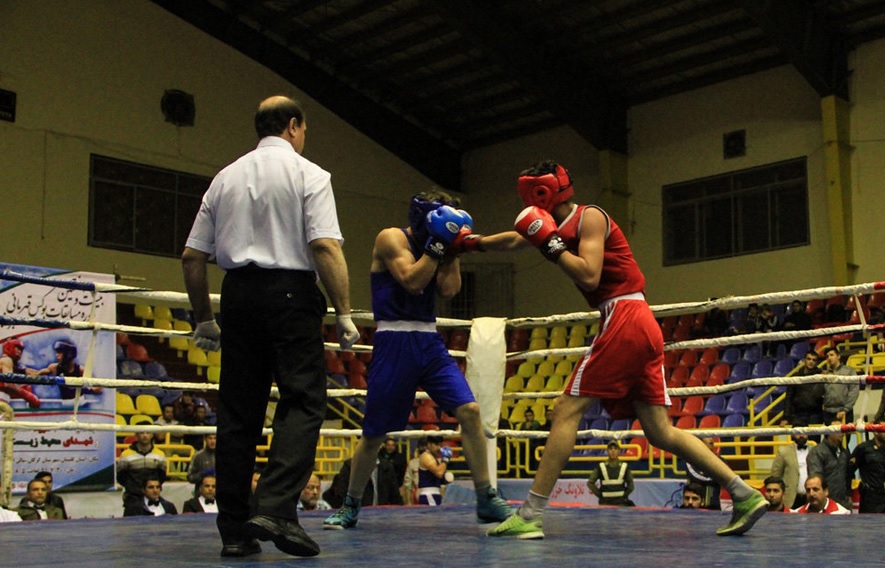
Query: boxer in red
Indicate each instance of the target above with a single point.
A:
(623, 367)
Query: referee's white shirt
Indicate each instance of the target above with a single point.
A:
(265, 208)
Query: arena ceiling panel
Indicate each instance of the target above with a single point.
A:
(432, 79)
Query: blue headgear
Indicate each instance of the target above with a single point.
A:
(68, 350)
(418, 210)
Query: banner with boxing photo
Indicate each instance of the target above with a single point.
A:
(77, 459)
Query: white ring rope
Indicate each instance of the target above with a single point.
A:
(660, 311)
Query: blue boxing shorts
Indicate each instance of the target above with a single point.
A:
(403, 361)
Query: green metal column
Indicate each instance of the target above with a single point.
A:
(615, 190)
(837, 169)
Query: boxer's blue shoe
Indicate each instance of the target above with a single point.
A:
(517, 527)
(346, 516)
(744, 515)
(492, 509)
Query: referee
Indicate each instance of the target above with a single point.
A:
(269, 220)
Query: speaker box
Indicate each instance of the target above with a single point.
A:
(734, 144)
(178, 107)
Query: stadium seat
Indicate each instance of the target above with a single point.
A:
(620, 424)
(719, 374)
(675, 408)
(783, 367)
(537, 343)
(559, 331)
(689, 358)
(555, 383)
(734, 421)
(752, 354)
(519, 340)
(129, 369)
(578, 330)
(700, 374)
(731, 355)
(710, 421)
(686, 423)
(214, 357)
(679, 377)
(563, 368)
(715, 405)
(710, 356)
(737, 404)
(213, 374)
(693, 405)
(546, 368)
(155, 370)
(125, 406)
(671, 359)
(535, 383)
(539, 333)
(144, 311)
(426, 414)
(740, 372)
(526, 369)
(148, 404)
(514, 383)
(163, 312)
(761, 369)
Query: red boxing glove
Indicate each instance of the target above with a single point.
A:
(538, 227)
(21, 391)
(466, 241)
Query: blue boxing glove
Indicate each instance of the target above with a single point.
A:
(443, 225)
(445, 453)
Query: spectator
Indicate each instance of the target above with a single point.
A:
(310, 496)
(548, 419)
(692, 496)
(34, 506)
(830, 460)
(804, 402)
(167, 419)
(614, 477)
(819, 498)
(869, 459)
(184, 407)
(204, 502)
(711, 489)
(397, 461)
(203, 461)
(151, 502)
(774, 494)
(746, 324)
(52, 498)
(529, 423)
(797, 319)
(839, 399)
(410, 483)
(198, 419)
(767, 320)
(791, 465)
(139, 462)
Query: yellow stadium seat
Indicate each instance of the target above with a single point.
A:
(213, 374)
(140, 418)
(576, 341)
(545, 368)
(196, 356)
(558, 332)
(124, 404)
(878, 362)
(120, 420)
(526, 369)
(578, 330)
(539, 333)
(594, 329)
(563, 368)
(182, 344)
(555, 383)
(148, 404)
(537, 343)
(557, 342)
(164, 324)
(181, 325)
(144, 311)
(540, 409)
(514, 383)
(214, 358)
(535, 383)
(163, 312)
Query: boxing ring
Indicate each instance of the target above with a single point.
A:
(577, 535)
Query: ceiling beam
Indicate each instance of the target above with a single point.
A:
(806, 39)
(565, 86)
(427, 154)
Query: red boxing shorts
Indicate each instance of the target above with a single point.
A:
(625, 362)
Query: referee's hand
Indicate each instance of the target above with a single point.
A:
(348, 334)
(207, 335)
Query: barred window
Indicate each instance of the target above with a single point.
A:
(139, 208)
(759, 209)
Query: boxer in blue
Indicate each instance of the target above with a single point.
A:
(410, 266)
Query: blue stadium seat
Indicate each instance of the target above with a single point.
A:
(731, 355)
(752, 354)
(761, 369)
(622, 424)
(734, 421)
(738, 403)
(740, 372)
(799, 349)
(599, 424)
(715, 405)
(783, 366)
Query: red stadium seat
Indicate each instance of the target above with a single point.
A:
(693, 405)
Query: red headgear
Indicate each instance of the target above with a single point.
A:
(547, 190)
(10, 345)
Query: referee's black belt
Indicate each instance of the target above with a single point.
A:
(253, 268)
